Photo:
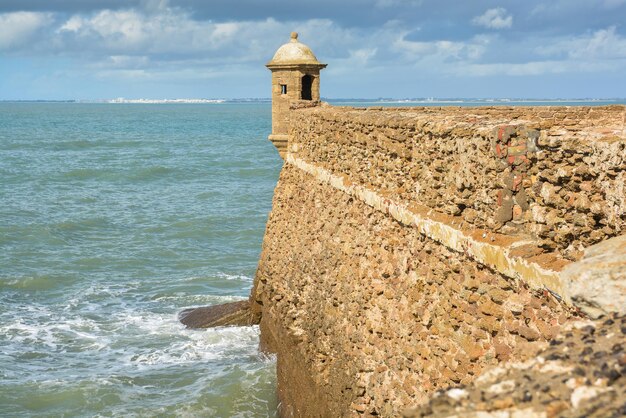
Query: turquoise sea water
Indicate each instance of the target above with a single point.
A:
(113, 218)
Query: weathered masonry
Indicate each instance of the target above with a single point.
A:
(416, 249)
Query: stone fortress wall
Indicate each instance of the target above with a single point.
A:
(412, 250)
(553, 173)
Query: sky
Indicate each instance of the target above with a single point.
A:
(102, 49)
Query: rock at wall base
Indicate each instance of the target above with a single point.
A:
(227, 314)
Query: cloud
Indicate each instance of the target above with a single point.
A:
(170, 32)
(395, 3)
(611, 4)
(125, 62)
(443, 50)
(18, 28)
(533, 68)
(595, 52)
(494, 19)
(66, 6)
(603, 44)
(174, 36)
(136, 44)
(159, 39)
(222, 42)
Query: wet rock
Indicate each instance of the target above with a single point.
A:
(233, 314)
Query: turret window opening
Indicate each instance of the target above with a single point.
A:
(283, 89)
(307, 84)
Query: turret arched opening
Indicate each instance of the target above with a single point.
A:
(307, 87)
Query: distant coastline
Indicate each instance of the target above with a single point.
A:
(420, 101)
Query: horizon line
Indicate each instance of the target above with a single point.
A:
(341, 99)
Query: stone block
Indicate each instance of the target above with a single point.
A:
(597, 283)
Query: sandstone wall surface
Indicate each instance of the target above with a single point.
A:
(409, 250)
(555, 174)
(376, 314)
(581, 374)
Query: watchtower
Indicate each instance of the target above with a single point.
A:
(295, 76)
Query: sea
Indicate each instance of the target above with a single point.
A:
(113, 219)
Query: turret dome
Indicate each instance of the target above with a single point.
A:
(293, 53)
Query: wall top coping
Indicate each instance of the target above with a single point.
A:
(589, 123)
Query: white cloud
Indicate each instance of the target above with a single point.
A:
(18, 28)
(358, 58)
(512, 69)
(174, 32)
(496, 18)
(133, 44)
(604, 44)
(472, 49)
(363, 55)
(127, 32)
(158, 42)
(125, 61)
(72, 25)
(600, 51)
(533, 68)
